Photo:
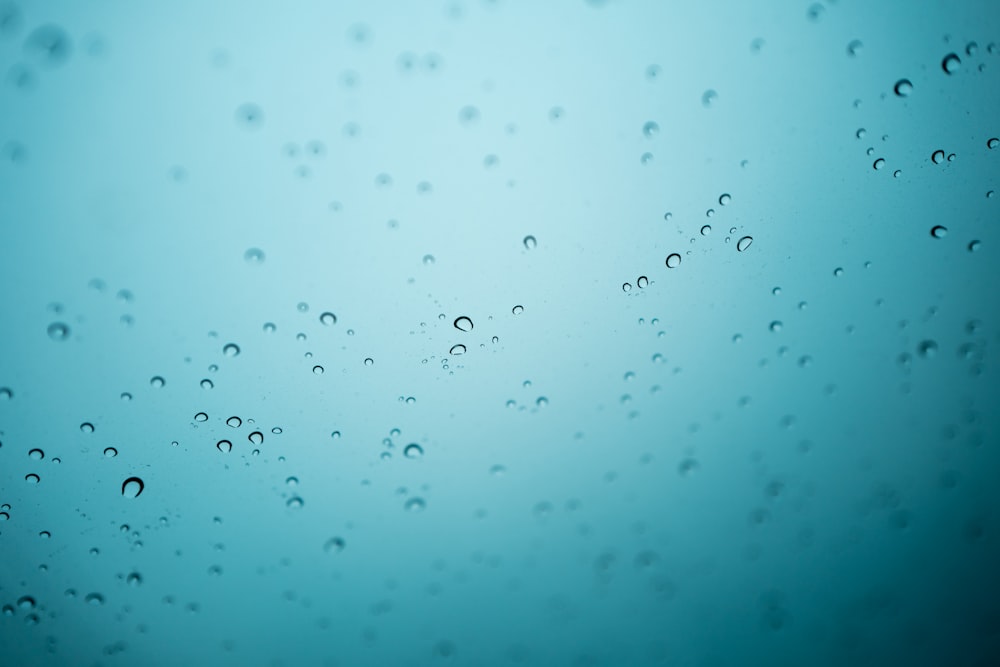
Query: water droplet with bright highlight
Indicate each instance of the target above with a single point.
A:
(133, 487)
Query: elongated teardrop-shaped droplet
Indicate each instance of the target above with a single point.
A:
(132, 487)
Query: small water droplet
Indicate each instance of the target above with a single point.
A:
(937, 157)
(974, 245)
(318, 370)
(369, 361)
(26, 603)
(530, 242)
(134, 579)
(270, 327)
(335, 435)
(249, 116)
(860, 134)
(708, 98)
(642, 282)
(110, 452)
(231, 350)
(256, 438)
(744, 243)
(457, 349)
(463, 323)
(951, 63)
(58, 331)
(626, 287)
(903, 88)
(413, 451)
(775, 326)
(939, 231)
(207, 384)
(992, 143)
(132, 487)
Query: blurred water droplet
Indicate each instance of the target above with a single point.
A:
(134, 579)
(744, 243)
(231, 350)
(415, 505)
(254, 256)
(48, 46)
(650, 129)
(295, 502)
(413, 451)
(708, 98)
(157, 381)
(132, 487)
(854, 47)
(94, 599)
(975, 245)
(927, 349)
(328, 318)
(334, 545)
(903, 88)
(249, 116)
(775, 326)
(530, 242)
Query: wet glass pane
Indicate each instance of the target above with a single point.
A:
(495, 332)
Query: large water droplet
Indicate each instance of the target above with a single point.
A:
(951, 63)
(200, 417)
(744, 243)
(157, 381)
(879, 163)
(132, 487)
(939, 231)
(32, 478)
(642, 282)
(110, 452)
(328, 318)
(58, 331)
(234, 421)
(413, 451)
(87, 427)
(530, 242)
(673, 260)
(415, 505)
(36, 455)
(457, 349)
(224, 446)
(903, 88)
(256, 438)
(937, 157)
(231, 350)
(463, 323)
(992, 143)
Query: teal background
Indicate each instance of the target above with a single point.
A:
(657, 476)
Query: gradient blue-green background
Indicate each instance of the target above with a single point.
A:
(657, 476)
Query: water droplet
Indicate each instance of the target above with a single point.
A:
(556, 113)
(318, 370)
(295, 502)
(58, 331)
(974, 245)
(95, 599)
(650, 129)
(26, 603)
(125, 396)
(463, 323)
(541, 401)
(927, 349)
(48, 45)
(673, 260)
(775, 326)
(903, 88)
(653, 72)
(879, 163)
(413, 451)
(157, 381)
(32, 478)
(134, 579)
(334, 545)
(744, 243)
(626, 287)
(110, 452)
(132, 487)
(256, 438)
(646, 158)
(254, 256)
(428, 260)
(457, 349)
(335, 435)
(249, 115)
(992, 143)
(530, 242)
(207, 384)
(951, 63)
(4, 516)
(937, 157)
(642, 282)
(231, 350)
(971, 49)
(269, 327)
(708, 98)
(415, 505)
(369, 361)
(234, 421)
(36, 455)
(200, 417)
(410, 400)
(939, 231)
